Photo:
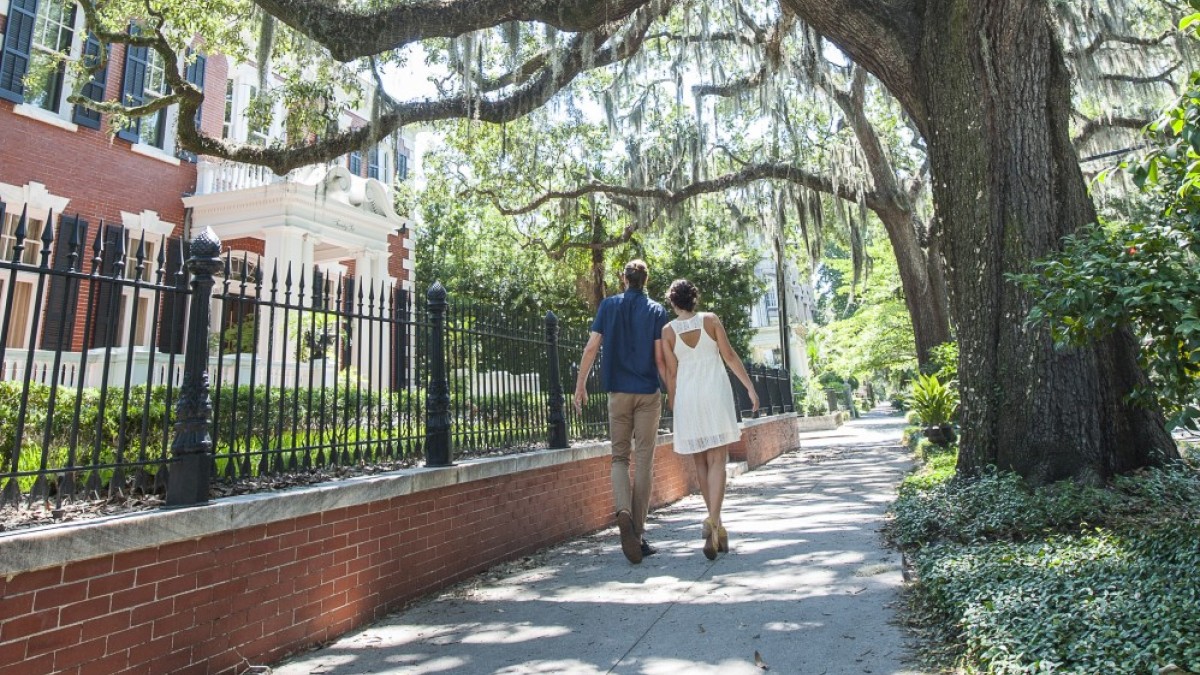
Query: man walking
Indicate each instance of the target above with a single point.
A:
(629, 326)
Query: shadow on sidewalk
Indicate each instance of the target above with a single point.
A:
(806, 588)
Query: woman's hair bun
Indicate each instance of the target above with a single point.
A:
(683, 294)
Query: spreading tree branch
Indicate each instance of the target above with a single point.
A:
(350, 31)
(1103, 39)
(593, 49)
(1164, 77)
(1091, 127)
(748, 174)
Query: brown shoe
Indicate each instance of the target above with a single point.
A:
(631, 544)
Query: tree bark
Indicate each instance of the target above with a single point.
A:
(986, 83)
(927, 307)
(925, 299)
(1008, 187)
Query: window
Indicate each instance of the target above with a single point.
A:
(53, 32)
(356, 163)
(152, 130)
(227, 128)
(255, 134)
(373, 163)
(239, 260)
(19, 320)
(401, 166)
(141, 322)
(33, 242)
(772, 303)
(144, 81)
(149, 264)
(14, 56)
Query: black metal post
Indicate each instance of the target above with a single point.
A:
(192, 447)
(437, 397)
(558, 418)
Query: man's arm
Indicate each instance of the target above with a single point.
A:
(585, 368)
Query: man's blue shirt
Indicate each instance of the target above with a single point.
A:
(630, 323)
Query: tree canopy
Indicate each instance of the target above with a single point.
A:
(983, 88)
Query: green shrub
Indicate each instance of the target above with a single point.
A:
(1098, 602)
(1063, 578)
(933, 402)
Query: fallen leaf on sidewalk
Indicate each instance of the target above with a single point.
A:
(758, 661)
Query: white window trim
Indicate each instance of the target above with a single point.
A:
(35, 196)
(156, 153)
(148, 222)
(38, 202)
(61, 119)
(45, 116)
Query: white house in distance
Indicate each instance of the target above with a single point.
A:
(795, 302)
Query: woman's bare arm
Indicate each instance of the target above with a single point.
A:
(712, 324)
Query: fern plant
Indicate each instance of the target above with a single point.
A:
(933, 402)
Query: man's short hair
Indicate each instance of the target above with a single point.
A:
(636, 273)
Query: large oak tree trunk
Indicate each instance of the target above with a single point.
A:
(1007, 186)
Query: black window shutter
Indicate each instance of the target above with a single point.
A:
(18, 43)
(133, 86)
(373, 162)
(172, 320)
(94, 89)
(401, 316)
(194, 74)
(348, 309)
(318, 289)
(401, 166)
(63, 294)
(105, 331)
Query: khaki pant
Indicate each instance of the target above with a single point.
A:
(633, 418)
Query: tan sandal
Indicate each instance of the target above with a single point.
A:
(722, 539)
(711, 545)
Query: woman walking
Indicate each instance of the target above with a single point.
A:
(696, 353)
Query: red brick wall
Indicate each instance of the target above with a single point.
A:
(100, 177)
(763, 441)
(397, 254)
(251, 596)
(103, 177)
(249, 244)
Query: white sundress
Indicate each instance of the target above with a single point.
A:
(704, 409)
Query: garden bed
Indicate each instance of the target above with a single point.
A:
(1064, 578)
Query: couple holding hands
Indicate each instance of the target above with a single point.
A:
(690, 354)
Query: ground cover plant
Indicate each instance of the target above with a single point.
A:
(1066, 578)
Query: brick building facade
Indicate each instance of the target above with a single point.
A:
(58, 158)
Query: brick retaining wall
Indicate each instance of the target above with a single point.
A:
(248, 580)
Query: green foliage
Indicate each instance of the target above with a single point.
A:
(1144, 276)
(565, 256)
(239, 337)
(1063, 578)
(815, 401)
(943, 362)
(720, 263)
(934, 403)
(868, 333)
(108, 424)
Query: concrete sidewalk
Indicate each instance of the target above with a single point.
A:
(807, 586)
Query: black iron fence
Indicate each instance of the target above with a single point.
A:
(133, 364)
